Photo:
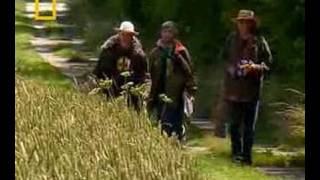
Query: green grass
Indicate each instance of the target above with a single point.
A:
(27, 62)
(219, 168)
(220, 147)
(267, 159)
(216, 162)
(68, 52)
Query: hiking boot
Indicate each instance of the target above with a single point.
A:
(237, 159)
(246, 159)
(246, 162)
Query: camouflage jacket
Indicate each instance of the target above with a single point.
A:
(114, 60)
(244, 89)
(170, 74)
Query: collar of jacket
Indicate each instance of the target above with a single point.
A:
(115, 39)
(178, 46)
(136, 46)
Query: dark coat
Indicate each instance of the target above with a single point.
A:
(114, 60)
(247, 88)
(178, 71)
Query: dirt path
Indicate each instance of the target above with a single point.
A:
(44, 45)
(61, 8)
(71, 69)
(285, 173)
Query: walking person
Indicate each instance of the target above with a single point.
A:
(120, 53)
(248, 58)
(172, 74)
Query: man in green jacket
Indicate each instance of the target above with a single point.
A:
(172, 74)
(248, 58)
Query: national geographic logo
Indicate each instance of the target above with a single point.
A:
(46, 18)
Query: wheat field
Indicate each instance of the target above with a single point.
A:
(63, 134)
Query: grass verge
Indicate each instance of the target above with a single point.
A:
(216, 164)
(27, 62)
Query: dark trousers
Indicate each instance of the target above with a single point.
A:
(243, 114)
(171, 120)
(135, 102)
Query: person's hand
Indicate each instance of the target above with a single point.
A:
(247, 68)
(265, 67)
(254, 67)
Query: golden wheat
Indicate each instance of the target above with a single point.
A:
(66, 135)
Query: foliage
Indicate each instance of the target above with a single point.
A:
(292, 126)
(205, 32)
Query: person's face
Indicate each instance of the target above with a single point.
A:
(167, 35)
(244, 26)
(125, 39)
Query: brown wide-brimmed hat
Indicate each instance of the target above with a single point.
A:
(244, 14)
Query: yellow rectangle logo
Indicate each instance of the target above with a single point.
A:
(46, 18)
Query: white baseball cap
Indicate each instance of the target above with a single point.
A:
(127, 26)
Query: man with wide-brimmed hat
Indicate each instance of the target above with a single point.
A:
(122, 53)
(172, 74)
(247, 56)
